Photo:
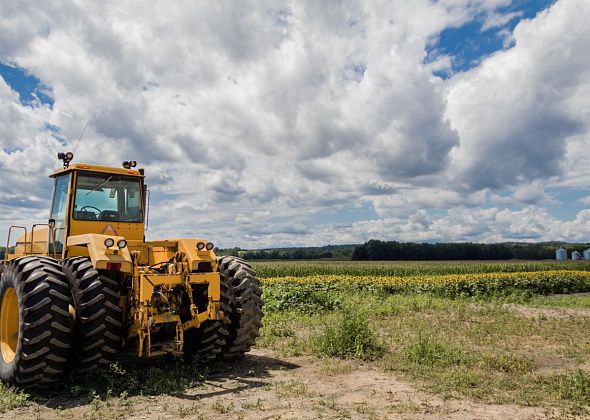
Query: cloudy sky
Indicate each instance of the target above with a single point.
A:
(266, 123)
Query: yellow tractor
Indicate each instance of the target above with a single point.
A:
(80, 289)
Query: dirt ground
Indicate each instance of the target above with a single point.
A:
(265, 387)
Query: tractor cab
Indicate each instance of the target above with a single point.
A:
(97, 199)
(87, 199)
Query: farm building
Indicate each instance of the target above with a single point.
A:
(576, 255)
(587, 254)
(561, 254)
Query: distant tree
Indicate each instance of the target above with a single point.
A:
(393, 250)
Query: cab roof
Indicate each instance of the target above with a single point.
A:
(86, 167)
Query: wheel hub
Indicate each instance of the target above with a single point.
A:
(9, 325)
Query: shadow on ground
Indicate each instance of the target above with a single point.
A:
(165, 376)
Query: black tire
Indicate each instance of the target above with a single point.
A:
(44, 326)
(98, 326)
(207, 341)
(242, 305)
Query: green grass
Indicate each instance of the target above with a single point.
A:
(573, 386)
(11, 398)
(268, 269)
(457, 348)
(426, 351)
(348, 335)
(301, 298)
(562, 301)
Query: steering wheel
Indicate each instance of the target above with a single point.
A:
(99, 211)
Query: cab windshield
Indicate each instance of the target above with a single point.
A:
(108, 198)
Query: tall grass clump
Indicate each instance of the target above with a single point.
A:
(11, 398)
(348, 335)
(428, 352)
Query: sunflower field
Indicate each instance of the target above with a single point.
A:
(317, 286)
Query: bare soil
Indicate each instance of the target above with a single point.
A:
(263, 386)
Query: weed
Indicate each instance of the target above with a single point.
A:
(300, 298)
(426, 351)
(249, 406)
(332, 367)
(292, 388)
(192, 411)
(507, 363)
(573, 386)
(11, 398)
(223, 409)
(348, 335)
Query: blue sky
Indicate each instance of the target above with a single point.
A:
(303, 124)
(29, 88)
(470, 43)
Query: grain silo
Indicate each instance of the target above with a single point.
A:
(576, 255)
(561, 254)
(587, 254)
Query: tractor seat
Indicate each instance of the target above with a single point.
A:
(109, 215)
(85, 215)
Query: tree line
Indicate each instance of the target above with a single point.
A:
(333, 252)
(393, 250)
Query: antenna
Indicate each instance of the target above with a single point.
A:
(83, 131)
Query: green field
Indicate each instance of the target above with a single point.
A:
(511, 333)
(494, 332)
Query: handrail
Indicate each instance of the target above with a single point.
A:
(33, 235)
(8, 240)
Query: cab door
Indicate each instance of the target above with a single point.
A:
(58, 215)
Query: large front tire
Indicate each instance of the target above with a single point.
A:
(35, 325)
(241, 301)
(98, 315)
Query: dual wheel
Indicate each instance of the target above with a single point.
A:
(55, 318)
(241, 303)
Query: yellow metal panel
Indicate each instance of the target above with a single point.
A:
(159, 254)
(147, 283)
(129, 231)
(200, 278)
(194, 257)
(98, 252)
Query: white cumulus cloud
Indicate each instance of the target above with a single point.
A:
(258, 122)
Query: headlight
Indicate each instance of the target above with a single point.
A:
(200, 245)
(209, 246)
(122, 243)
(109, 242)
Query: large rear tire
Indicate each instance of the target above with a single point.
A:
(35, 325)
(97, 331)
(207, 341)
(241, 301)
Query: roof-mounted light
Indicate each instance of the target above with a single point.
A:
(128, 164)
(66, 158)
